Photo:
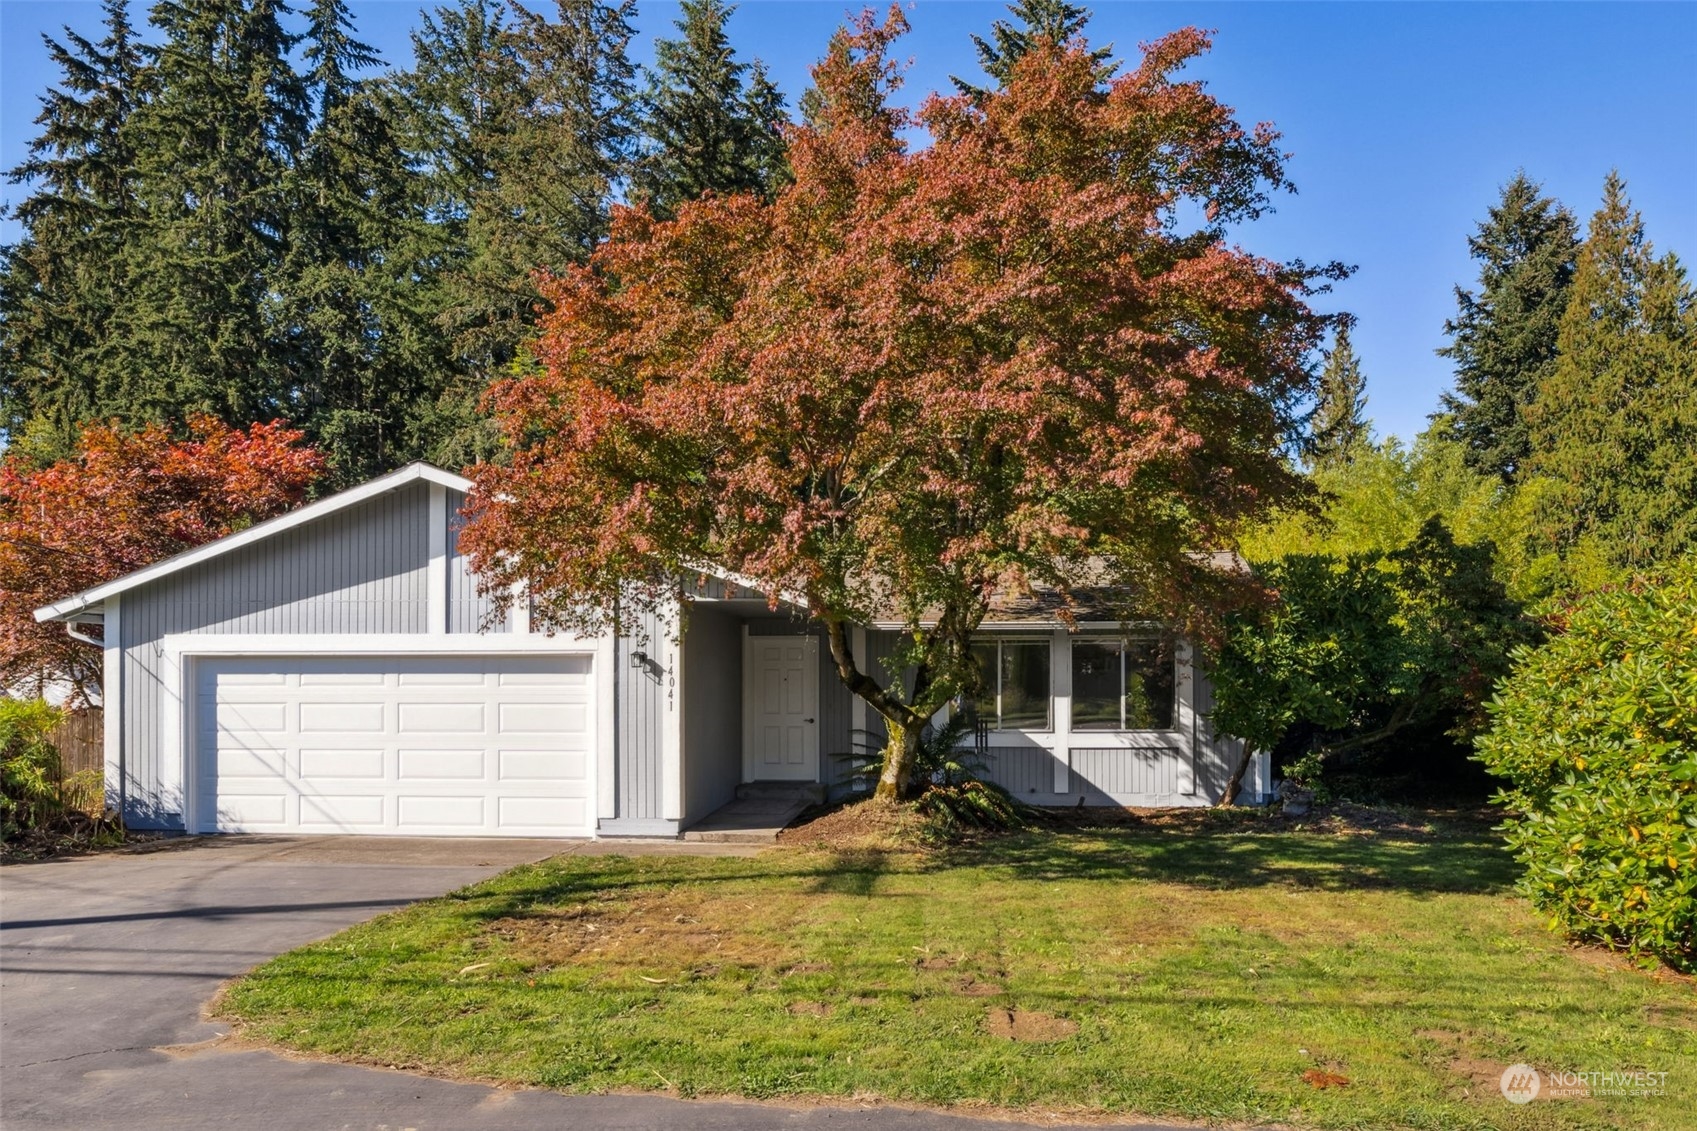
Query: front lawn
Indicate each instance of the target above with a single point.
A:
(1226, 969)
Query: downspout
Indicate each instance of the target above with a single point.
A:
(110, 699)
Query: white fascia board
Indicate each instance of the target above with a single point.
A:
(84, 601)
(744, 582)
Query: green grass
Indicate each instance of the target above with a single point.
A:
(1203, 971)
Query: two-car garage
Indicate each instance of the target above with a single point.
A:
(342, 669)
(433, 745)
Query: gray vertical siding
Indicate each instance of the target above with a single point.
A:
(638, 772)
(360, 570)
(1217, 754)
(1027, 772)
(1103, 776)
(468, 609)
(712, 721)
(880, 646)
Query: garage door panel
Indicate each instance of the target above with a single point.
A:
(252, 678)
(236, 762)
(542, 765)
(401, 744)
(449, 812)
(252, 718)
(242, 812)
(431, 765)
(542, 718)
(341, 763)
(443, 679)
(523, 813)
(442, 718)
(311, 678)
(345, 812)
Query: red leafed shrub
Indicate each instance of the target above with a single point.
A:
(127, 500)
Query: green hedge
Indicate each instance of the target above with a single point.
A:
(1596, 732)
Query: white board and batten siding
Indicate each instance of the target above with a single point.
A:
(346, 676)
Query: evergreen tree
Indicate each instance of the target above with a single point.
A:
(1504, 337)
(1340, 426)
(711, 121)
(216, 142)
(1050, 21)
(1615, 424)
(362, 355)
(62, 288)
(520, 126)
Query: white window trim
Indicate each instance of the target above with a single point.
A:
(999, 639)
(180, 652)
(1187, 735)
(1097, 638)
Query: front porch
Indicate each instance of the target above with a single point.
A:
(727, 726)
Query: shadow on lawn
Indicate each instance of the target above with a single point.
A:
(1465, 859)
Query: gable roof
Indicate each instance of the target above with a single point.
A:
(86, 601)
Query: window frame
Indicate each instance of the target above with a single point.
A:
(1122, 643)
(1048, 644)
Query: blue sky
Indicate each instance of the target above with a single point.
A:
(1402, 119)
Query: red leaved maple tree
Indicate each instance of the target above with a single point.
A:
(127, 500)
(1022, 355)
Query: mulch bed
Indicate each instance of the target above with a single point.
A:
(78, 835)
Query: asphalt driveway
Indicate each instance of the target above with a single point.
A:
(107, 961)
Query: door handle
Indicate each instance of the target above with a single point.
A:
(807, 720)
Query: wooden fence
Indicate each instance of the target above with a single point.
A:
(81, 740)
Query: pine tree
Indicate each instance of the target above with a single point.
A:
(1504, 337)
(1339, 424)
(1050, 21)
(1615, 423)
(62, 286)
(711, 121)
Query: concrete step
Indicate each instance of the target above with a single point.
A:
(731, 836)
(806, 792)
(754, 820)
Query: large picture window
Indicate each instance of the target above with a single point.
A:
(1016, 685)
(1123, 684)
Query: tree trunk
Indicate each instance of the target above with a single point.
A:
(900, 753)
(1234, 784)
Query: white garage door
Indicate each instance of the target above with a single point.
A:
(407, 745)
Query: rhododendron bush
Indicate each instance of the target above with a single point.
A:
(1024, 354)
(126, 501)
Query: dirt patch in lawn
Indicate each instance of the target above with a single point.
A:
(968, 986)
(1605, 959)
(809, 1009)
(1481, 1073)
(678, 930)
(1028, 1025)
(858, 825)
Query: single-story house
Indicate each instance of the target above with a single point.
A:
(336, 669)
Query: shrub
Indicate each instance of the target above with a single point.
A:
(1596, 732)
(29, 764)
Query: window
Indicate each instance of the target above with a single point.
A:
(1122, 684)
(1016, 684)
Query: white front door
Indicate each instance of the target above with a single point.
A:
(780, 708)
